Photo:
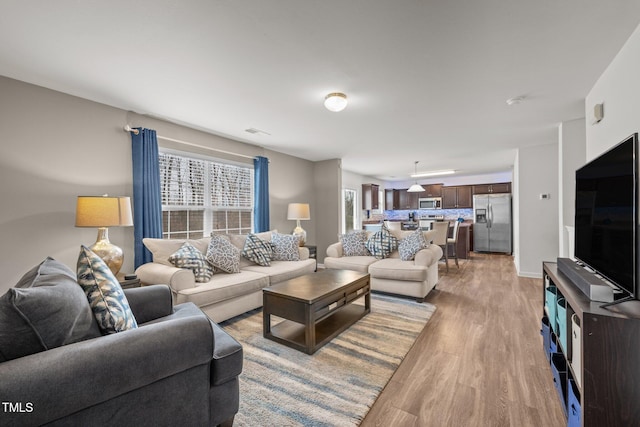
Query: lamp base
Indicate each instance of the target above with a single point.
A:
(109, 253)
(300, 233)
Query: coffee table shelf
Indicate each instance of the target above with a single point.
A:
(315, 308)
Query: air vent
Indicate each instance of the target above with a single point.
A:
(255, 131)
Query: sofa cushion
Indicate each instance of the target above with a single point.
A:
(355, 263)
(223, 255)
(257, 250)
(161, 249)
(223, 287)
(410, 245)
(382, 243)
(280, 271)
(354, 243)
(188, 256)
(46, 309)
(285, 247)
(106, 298)
(396, 269)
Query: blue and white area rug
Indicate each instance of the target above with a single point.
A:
(338, 384)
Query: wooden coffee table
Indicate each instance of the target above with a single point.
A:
(316, 307)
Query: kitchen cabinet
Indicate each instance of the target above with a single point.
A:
(391, 199)
(407, 200)
(501, 187)
(431, 190)
(458, 197)
(370, 199)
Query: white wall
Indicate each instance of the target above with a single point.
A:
(619, 89)
(571, 156)
(537, 222)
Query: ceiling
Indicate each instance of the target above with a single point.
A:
(426, 80)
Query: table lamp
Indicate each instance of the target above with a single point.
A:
(104, 212)
(299, 211)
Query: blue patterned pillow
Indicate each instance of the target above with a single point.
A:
(223, 255)
(354, 243)
(257, 250)
(106, 297)
(285, 247)
(410, 245)
(188, 256)
(382, 243)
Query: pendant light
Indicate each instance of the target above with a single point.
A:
(416, 188)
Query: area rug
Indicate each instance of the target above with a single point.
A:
(338, 384)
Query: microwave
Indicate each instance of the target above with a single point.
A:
(430, 203)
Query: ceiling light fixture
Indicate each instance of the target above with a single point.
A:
(434, 173)
(415, 188)
(335, 101)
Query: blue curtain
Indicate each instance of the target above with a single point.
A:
(261, 194)
(147, 205)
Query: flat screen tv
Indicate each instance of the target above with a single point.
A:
(606, 215)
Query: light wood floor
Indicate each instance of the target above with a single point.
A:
(479, 361)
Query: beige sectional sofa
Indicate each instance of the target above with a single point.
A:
(225, 295)
(413, 278)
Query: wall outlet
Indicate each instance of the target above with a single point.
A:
(545, 196)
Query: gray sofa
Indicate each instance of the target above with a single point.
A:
(176, 368)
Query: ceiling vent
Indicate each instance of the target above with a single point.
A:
(256, 131)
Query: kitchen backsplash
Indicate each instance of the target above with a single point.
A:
(449, 214)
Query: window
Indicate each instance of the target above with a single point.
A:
(201, 195)
(349, 213)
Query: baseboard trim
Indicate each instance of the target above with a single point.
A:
(530, 275)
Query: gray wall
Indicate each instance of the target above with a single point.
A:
(328, 193)
(55, 147)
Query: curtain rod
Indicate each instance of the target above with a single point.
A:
(128, 128)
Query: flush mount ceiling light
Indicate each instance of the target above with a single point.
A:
(515, 100)
(415, 188)
(335, 101)
(434, 173)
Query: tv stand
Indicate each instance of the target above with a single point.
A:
(599, 368)
(618, 301)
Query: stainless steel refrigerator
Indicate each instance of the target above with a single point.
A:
(492, 223)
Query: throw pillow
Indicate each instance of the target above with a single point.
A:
(285, 247)
(410, 245)
(105, 295)
(46, 309)
(382, 243)
(188, 256)
(223, 255)
(257, 250)
(354, 243)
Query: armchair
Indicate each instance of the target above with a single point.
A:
(177, 368)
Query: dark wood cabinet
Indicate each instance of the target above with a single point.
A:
(370, 196)
(407, 200)
(459, 197)
(431, 190)
(598, 357)
(501, 187)
(391, 199)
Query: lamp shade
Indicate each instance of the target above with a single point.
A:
(415, 188)
(298, 211)
(103, 211)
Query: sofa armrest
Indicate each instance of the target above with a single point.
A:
(73, 377)
(178, 279)
(335, 250)
(303, 252)
(429, 256)
(149, 302)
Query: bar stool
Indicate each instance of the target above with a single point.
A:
(453, 241)
(440, 238)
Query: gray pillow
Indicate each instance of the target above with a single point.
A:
(46, 309)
